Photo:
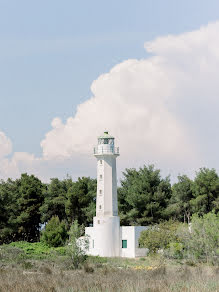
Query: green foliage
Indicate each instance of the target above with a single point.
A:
(180, 203)
(199, 196)
(205, 190)
(159, 236)
(29, 248)
(143, 196)
(55, 197)
(76, 248)
(55, 233)
(32, 250)
(26, 203)
(8, 210)
(21, 201)
(80, 204)
(30, 199)
(201, 240)
(174, 250)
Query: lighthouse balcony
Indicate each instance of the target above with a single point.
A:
(106, 149)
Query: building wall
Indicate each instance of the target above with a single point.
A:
(100, 186)
(105, 239)
(132, 234)
(90, 233)
(127, 233)
(106, 199)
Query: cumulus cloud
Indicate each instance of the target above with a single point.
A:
(5, 145)
(162, 109)
(129, 101)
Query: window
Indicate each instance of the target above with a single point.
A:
(124, 243)
(101, 176)
(100, 207)
(98, 221)
(93, 243)
(100, 192)
(101, 162)
(111, 141)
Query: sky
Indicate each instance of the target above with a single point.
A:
(144, 70)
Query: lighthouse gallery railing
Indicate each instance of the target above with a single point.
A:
(103, 150)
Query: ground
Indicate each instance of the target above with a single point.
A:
(35, 267)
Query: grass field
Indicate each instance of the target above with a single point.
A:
(34, 267)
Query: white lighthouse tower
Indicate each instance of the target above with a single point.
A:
(106, 237)
(106, 223)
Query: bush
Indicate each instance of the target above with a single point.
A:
(159, 236)
(201, 240)
(77, 245)
(31, 248)
(55, 233)
(174, 250)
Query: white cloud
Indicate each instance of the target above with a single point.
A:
(5, 145)
(163, 109)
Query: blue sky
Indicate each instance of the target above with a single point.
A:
(52, 51)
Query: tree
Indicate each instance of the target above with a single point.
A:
(180, 203)
(205, 191)
(8, 210)
(143, 196)
(55, 233)
(80, 204)
(55, 199)
(30, 199)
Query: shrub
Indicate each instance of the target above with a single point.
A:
(55, 233)
(77, 246)
(201, 241)
(31, 248)
(174, 250)
(159, 236)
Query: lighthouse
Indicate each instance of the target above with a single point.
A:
(107, 238)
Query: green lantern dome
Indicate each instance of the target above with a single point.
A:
(106, 136)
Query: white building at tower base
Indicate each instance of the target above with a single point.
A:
(107, 238)
(128, 245)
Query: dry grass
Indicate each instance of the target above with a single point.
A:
(21, 271)
(107, 278)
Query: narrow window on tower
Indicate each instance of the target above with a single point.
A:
(101, 161)
(101, 177)
(100, 192)
(100, 207)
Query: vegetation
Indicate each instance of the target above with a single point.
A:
(159, 236)
(20, 202)
(55, 233)
(40, 226)
(26, 204)
(54, 213)
(200, 242)
(198, 196)
(197, 242)
(35, 267)
(77, 247)
(143, 196)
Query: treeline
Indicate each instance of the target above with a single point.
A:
(27, 204)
